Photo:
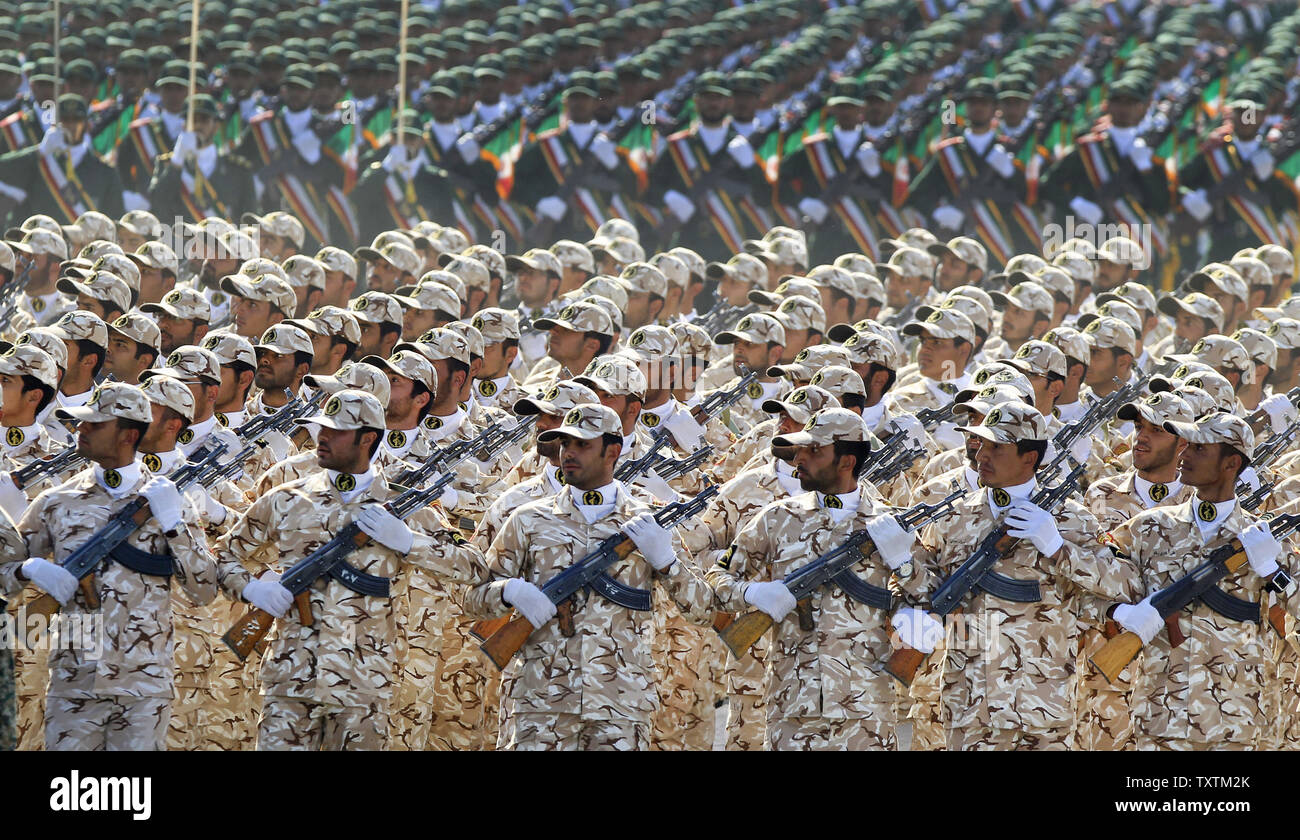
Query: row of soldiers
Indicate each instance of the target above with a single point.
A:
(854, 125)
(820, 404)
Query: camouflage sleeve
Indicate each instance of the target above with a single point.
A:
(506, 558)
(746, 558)
(1087, 562)
(13, 551)
(192, 564)
(32, 528)
(236, 548)
(440, 549)
(685, 584)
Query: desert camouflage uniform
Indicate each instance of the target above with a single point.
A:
(747, 412)
(12, 551)
(328, 685)
(122, 698)
(1213, 691)
(604, 674)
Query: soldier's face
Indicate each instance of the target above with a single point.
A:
(1125, 112)
(251, 317)
(371, 337)
(90, 304)
(878, 110)
(564, 345)
(9, 84)
(15, 410)
(121, 360)
(274, 370)
(1203, 464)
(340, 450)
(585, 464)
(712, 107)
(979, 111)
(383, 276)
(1227, 302)
(296, 97)
(815, 467)
(938, 358)
(416, 321)
(733, 290)
(1153, 447)
(98, 441)
(952, 272)
(402, 405)
(1000, 465)
(175, 332)
(1190, 327)
(1013, 110)
(1018, 324)
(753, 355)
(972, 442)
(1109, 275)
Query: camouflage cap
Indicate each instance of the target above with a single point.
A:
(29, 360)
(746, 268)
(47, 339)
(759, 328)
(581, 317)
(1114, 309)
(1219, 276)
(1158, 409)
(1219, 352)
(377, 308)
(536, 259)
(355, 375)
(1218, 427)
(90, 226)
(349, 409)
(1030, 297)
(1289, 308)
(184, 302)
(869, 287)
(1200, 402)
(919, 238)
(447, 240)
(1261, 349)
(826, 427)
(855, 263)
(790, 285)
(644, 278)
(1122, 250)
(439, 343)
(1080, 268)
(968, 306)
(492, 260)
(1071, 342)
(612, 228)
(835, 278)
(557, 400)
(788, 250)
(138, 327)
(1039, 358)
(496, 324)
(255, 266)
(1135, 295)
(304, 271)
(438, 277)
(285, 339)
(839, 380)
(673, 268)
(1010, 422)
(586, 422)
(622, 249)
(81, 325)
(400, 256)
(1198, 304)
(908, 262)
(101, 286)
(652, 343)
(875, 349)
(189, 364)
(1001, 375)
(691, 340)
(141, 223)
(797, 312)
(41, 242)
(157, 255)
(170, 393)
(472, 337)
(1057, 281)
(112, 400)
(602, 285)
(1279, 260)
(235, 244)
(943, 323)
(278, 223)
(336, 259)
(614, 374)
(331, 321)
(574, 255)
(230, 348)
(1253, 270)
(963, 248)
(694, 262)
(810, 360)
(802, 403)
(267, 287)
(431, 297)
(1113, 333)
(409, 364)
(987, 398)
(1209, 381)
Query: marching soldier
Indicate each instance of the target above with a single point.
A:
(199, 178)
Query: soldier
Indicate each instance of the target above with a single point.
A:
(471, 174)
(147, 138)
(86, 338)
(758, 343)
(494, 386)
(335, 335)
(588, 704)
(578, 333)
(257, 302)
(39, 303)
(132, 347)
(200, 177)
(340, 276)
(1213, 692)
(402, 188)
(158, 268)
(393, 265)
(284, 357)
(101, 292)
(119, 697)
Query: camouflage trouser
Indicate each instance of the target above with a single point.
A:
(1288, 717)
(8, 701)
(1103, 714)
(31, 680)
(217, 696)
(746, 699)
(926, 711)
(1149, 743)
(460, 689)
(106, 723)
(571, 732)
(289, 724)
(687, 657)
(213, 718)
(828, 734)
(982, 738)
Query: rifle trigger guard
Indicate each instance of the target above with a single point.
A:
(620, 593)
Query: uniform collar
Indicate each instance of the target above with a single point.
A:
(593, 505)
(488, 391)
(1153, 493)
(840, 506)
(120, 482)
(17, 437)
(440, 428)
(397, 442)
(231, 419)
(193, 437)
(161, 463)
(947, 389)
(785, 477)
(348, 485)
(1000, 498)
(554, 478)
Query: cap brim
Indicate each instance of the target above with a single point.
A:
(161, 309)
(534, 405)
(178, 375)
(841, 332)
(282, 349)
(795, 439)
(551, 323)
(328, 384)
(566, 431)
(512, 264)
(732, 336)
(83, 413)
(368, 254)
(982, 432)
(918, 327)
(1189, 432)
(322, 420)
(72, 287)
(231, 286)
(764, 297)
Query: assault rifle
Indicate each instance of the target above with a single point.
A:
(833, 567)
(725, 176)
(590, 573)
(1201, 584)
(10, 291)
(977, 573)
(37, 470)
(716, 402)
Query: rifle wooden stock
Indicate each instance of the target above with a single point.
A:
(1176, 637)
(741, 634)
(45, 605)
(1116, 654)
(722, 620)
(483, 630)
(903, 663)
(564, 616)
(248, 633)
(804, 609)
(303, 602)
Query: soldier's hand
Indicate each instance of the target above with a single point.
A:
(679, 205)
(395, 160)
(949, 217)
(50, 577)
(53, 142)
(1027, 521)
(1281, 412)
(1090, 211)
(652, 540)
(1001, 161)
(13, 500)
(552, 207)
(1262, 549)
(384, 528)
(869, 160)
(1140, 618)
(1196, 203)
(187, 145)
(917, 629)
(268, 594)
(1140, 154)
(1263, 164)
(771, 597)
(164, 501)
(529, 601)
(892, 542)
(814, 208)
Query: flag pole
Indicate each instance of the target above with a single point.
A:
(401, 73)
(194, 64)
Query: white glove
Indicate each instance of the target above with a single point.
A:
(949, 217)
(909, 427)
(13, 500)
(1140, 154)
(281, 447)
(772, 598)
(468, 148)
(308, 145)
(652, 540)
(395, 160)
(892, 543)
(741, 152)
(1251, 478)
(449, 498)
(680, 206)
(604, 151)
(1090, 212)
(1281, 412)
(53, 141)
(164, 501)
(869, 160)
(213, 511)
(1001, 161)
(1140, 618)
(268, 594)
(51, 577)
(529, 601)
(187, 145)
(133, 200)
(1081, 449)
(384, 528)
(1262, 549)
(1263, 164)
(813, 208)
(553, 207)
(1196, 203)
(917, 629)
(1027, 521)
(947, 436)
